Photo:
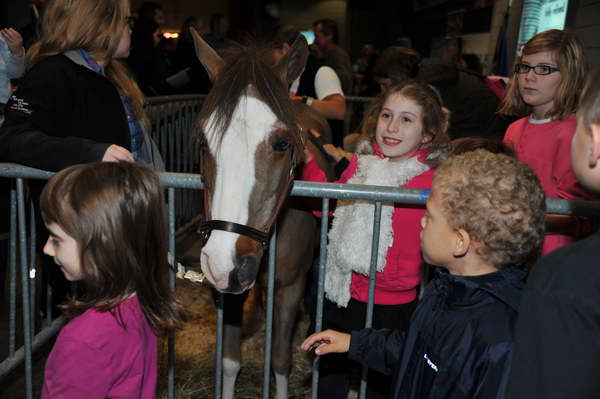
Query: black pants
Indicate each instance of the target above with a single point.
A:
(336, 371)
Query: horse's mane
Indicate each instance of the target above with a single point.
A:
(244, 66)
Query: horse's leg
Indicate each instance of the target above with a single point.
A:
(254, 317)
(285, 312)
(294, 255)
(233, 306)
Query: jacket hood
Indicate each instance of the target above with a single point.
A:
(506, 285)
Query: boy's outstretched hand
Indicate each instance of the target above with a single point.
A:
(328, 341)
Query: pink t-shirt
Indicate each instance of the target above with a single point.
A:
(546, 148)
(397, 283)
(95, 357)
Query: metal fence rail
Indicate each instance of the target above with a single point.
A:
(173, 121)
(193, 182)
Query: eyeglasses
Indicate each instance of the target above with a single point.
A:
(130, 21)
(538, 69)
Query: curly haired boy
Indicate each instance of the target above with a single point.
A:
(485, 215)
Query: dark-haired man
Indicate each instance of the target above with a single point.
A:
(332, 55)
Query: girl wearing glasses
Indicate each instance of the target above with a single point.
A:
(544, 91)
(77, 102)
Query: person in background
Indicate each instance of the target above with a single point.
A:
(107, 230)
(188, 75)
(485, 215)
(330, 53)
(557, 351)
(77, 102)
(12, 64)
(319, 86)
(145, 60)
(544, 90)
(471, 102)
(217, 37)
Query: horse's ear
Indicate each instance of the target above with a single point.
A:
(207, 56)
(293, 63)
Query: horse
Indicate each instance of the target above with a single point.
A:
(253, 137)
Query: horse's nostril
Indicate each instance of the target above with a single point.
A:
(247, 269)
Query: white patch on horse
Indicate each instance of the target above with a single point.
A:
(235, 177)
(281, 384)
(231, 369)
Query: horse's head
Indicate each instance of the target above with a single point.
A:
(251, 145)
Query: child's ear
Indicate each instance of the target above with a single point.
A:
(595, 150)
(462, 243)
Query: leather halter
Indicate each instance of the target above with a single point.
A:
(261, 236)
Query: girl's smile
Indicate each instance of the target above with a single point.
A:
(391, 142)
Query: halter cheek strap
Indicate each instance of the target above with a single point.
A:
(261, 237)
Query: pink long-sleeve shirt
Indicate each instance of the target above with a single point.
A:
(95, 357)
(397, 283)
(546, 148)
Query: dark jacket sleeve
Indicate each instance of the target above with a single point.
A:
(380, 350)
(38, 129)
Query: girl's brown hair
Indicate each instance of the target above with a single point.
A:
(95, 26)
(435, 117)
(116, 214)
(570, 57)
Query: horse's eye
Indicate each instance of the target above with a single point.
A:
(281, 145)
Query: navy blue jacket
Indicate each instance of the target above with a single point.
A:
(459, 343)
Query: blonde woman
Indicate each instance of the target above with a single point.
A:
(77, 102)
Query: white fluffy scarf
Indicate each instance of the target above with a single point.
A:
(351, 232)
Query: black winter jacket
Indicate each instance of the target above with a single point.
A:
(557, 339)
(459, 343)
(62, 114)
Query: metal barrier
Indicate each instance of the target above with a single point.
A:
(192, 182)
(173, 121)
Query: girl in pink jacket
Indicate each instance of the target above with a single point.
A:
(403, 139)
(107, 230)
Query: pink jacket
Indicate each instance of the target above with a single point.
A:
(95, 357)
(398, 282)
(546, 148)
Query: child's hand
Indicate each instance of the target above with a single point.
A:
(336, 152)
(14, 41)
(328, 341)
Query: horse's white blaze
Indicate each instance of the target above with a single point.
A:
(234, 179)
